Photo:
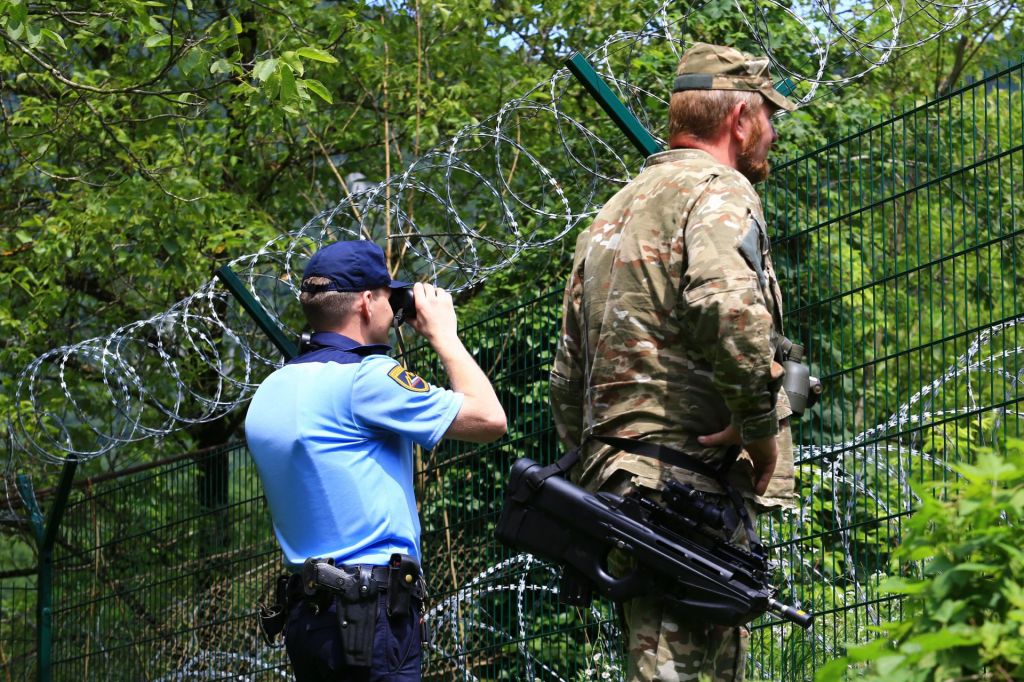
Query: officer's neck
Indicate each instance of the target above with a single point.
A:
(362, 326)
(356, 332)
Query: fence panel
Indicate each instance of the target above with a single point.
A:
(898, 250)
(495, 613)
(17, 629)
(157, 575)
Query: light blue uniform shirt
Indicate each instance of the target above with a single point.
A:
(333, 446)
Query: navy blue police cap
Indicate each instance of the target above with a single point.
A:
(350, 266)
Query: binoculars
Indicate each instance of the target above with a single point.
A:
(802, 389)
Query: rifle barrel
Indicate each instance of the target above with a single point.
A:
(791, 613)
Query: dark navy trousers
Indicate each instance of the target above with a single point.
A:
(314, 647)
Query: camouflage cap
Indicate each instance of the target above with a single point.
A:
(716, 67)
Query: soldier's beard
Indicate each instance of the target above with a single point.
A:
(747, 162)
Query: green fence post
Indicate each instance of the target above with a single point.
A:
(257, 312)
(616, 110)
(46, 536)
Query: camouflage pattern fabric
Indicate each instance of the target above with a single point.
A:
(668, 326)
(717, 67)
(663, 643)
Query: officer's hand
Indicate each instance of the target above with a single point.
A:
(435, 313)
(764, 453)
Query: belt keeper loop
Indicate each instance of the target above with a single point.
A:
(365, 575)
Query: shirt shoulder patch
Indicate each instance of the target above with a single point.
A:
(408, 380)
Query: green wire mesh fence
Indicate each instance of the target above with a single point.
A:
(898, 250)
(17, 629)
(157, 574)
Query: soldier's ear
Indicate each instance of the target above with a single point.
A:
(741, 122)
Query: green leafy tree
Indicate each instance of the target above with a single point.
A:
(145, 143)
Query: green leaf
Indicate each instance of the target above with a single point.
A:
(18, 12)
(192, 60)
(220, 66)
(264, 69)
(289, 89)
(318, 89)
(937, 641)
(23, 236)
(833, 671)
(974, 567)
(897, 585)
(869, 651)
(32, 36)
(316, 54)
(158, 40)
(15, 28)
(47, 33)
(948, 610)
(293, 61)
(886, 665)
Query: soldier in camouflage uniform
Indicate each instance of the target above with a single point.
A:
(668, 334)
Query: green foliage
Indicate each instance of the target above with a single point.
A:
(959, 571)
(145, 143)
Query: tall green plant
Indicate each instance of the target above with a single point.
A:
(960, 569)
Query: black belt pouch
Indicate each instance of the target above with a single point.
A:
(357, 622)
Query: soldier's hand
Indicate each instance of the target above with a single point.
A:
(435, 313)
(730, 435)
(764, 453)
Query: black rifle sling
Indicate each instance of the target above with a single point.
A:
(674, 457)
(535, 477)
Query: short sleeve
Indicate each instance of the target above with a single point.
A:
(387, 396)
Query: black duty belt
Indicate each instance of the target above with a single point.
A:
(352, 581)
(401, 578)
(354, 590)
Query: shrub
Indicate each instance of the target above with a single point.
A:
(960, 569)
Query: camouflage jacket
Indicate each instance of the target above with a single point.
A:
(667, 326)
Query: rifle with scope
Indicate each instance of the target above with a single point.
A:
(676, 555)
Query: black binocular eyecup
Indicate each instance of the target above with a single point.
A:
(403, 305)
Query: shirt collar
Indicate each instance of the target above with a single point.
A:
(342, 342)
(680, 154)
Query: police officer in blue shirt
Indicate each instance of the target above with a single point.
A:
(331, 433)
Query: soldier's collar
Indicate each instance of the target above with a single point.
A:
(680, 154)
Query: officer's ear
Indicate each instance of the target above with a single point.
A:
(364, 306)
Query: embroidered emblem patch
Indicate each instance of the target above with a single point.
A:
(408, 380)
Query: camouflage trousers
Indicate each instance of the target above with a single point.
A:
(664, 643)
